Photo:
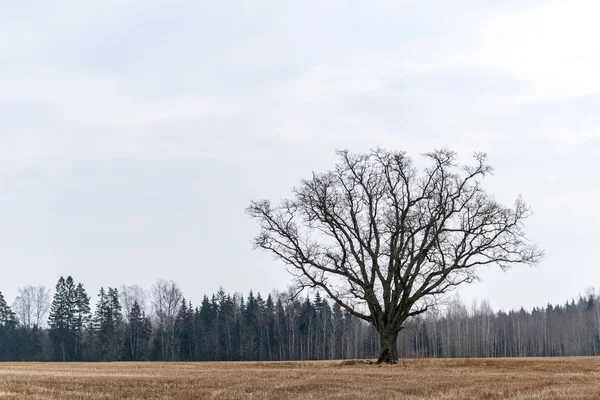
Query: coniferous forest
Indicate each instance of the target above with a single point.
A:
(132, 324)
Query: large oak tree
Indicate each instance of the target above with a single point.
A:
(385, 240)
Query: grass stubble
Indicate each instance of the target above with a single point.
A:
(531, 378)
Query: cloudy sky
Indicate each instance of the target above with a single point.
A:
(134, 133)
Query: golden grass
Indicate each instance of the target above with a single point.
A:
(535, 378)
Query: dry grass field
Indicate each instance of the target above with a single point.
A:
(557, 378)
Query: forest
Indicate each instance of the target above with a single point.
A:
(132, 324)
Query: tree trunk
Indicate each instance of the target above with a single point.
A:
(388, 350)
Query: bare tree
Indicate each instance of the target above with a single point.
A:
(166, 299)
(383, 240)
(131, 294)
(32, 305)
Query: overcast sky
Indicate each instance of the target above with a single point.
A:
(134, 133)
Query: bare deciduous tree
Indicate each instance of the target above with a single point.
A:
(384, 241)
(131, 294)
(166, 299)
(32, 305)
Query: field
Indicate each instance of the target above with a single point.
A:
(557, 378)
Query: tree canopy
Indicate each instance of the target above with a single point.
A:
(383, 239)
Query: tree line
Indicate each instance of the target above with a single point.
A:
(132, 324)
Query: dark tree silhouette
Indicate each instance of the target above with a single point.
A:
(383, 240)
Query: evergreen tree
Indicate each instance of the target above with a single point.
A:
(61, 320)
(337, 332)
(185, 331)
(107, 325)
(251, 328)
(226, 309)
(207, 329)
(117, 324)
(8, 333)
(232, 327)
(7, 316)
(82, 318)
(69, 314)
(138, 334)
(100, 324)
(270, 320)
(306, 327)
(282, 333)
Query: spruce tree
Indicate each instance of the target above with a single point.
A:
(185, 331)
(107, 324)
(117, 321)
(82, 318)
(59, 320)
(69, 314)
(7, 316)
(100, 323)
(138, 334)
(8, 333)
